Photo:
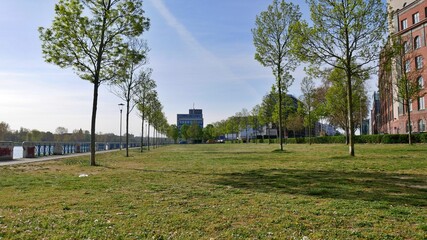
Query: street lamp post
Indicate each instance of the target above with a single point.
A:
(121, 110)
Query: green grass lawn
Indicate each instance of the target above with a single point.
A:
(221, 191)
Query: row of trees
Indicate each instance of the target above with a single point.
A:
(101, 41)
(134, 85)
(342, 43)
(326, 102)
(192, 132)
(341, 47)
(344, 35)
(61, 134)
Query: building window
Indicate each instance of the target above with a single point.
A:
(416, 18)
(421, 103)
(419, 62)
(417, 42)
(420, 82)
(410, 105)
(407, 66)
(406, 47)
(404, 24)
(421, 125)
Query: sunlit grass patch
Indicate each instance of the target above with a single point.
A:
(224, 191)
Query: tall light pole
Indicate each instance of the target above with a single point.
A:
(121, 110)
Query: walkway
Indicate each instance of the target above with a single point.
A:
(48, 158)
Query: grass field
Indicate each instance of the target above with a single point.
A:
(224, 191)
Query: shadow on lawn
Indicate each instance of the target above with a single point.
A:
(397, 189)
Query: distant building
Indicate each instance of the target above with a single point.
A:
(194, 116)
(322, 129)
(375, 114)
(365, 127)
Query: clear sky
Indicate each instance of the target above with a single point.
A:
(201, 53)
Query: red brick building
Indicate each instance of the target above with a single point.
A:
(408, 19)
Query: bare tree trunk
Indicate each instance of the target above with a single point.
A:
(142, 122)
(92, 128)
(246, 129)
(148, 136)
(409, 123)
(155, 138)
(350, 115)
(127, 127)
(280, 109)
(142, 133)
(309, 128)
(347, 136)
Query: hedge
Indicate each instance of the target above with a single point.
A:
(373, 139)
(385, 139)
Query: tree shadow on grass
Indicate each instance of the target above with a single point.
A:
(397, 189)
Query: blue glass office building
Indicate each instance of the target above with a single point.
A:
(194, 115)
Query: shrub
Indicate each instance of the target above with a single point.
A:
(423, 138)
(368, 139)
(395, 138)
(371, 139)
(332, 139)
(390, 138)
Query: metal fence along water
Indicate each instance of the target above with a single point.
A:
(41, 149)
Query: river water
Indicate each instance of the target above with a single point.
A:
(18, 152)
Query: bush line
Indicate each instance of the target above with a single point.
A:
(376, 139)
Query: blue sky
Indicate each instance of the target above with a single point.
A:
(201, 53)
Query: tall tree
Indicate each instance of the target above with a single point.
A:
(295, 122)
(125, 85)
(88, 36)
(289, 106)
(152, 108)
(232, 127)
(162, 128)
(272, 38)
(254, 120)
(173, 132)
(61, 130)
(184, 131)
(195, 132)
(144, 94)
(209, 132)
(307, 89)
(345, 34)
(336, 104)
(244, 122)
(158, 121)
(220, 129)
(267, 109)
(4, 131)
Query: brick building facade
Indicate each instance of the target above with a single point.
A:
(407, 19)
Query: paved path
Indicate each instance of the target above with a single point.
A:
(47, 158)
